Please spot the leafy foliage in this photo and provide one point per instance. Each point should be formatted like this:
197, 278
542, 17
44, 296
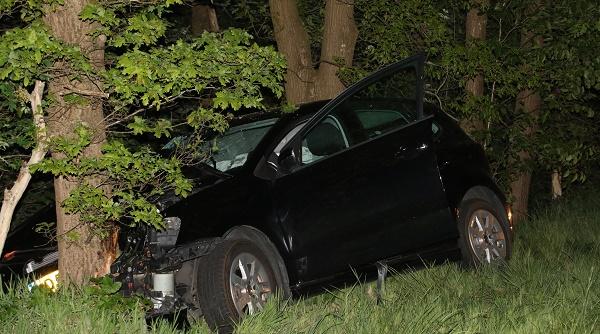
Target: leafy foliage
135, 177
564, 70
149, 78
16, 136
220, 73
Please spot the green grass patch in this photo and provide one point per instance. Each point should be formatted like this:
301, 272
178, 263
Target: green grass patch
92, 309
551, 285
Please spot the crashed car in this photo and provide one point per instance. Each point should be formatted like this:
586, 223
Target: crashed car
375, 176
372, 176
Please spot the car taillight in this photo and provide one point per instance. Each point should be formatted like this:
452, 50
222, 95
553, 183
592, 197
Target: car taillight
9, 256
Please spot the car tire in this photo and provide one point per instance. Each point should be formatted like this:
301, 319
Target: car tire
235, 279
484, 232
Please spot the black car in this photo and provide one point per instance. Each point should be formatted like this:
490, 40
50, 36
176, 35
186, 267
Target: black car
293, 201
373, 176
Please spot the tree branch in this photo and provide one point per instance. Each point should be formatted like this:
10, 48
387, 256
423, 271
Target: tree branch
14, 194
93, 93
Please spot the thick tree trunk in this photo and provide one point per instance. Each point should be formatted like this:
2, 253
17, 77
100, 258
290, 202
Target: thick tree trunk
529, 102
12, 196
339, 40
292, 41
204, 18
475, 30
303, 81
81, 253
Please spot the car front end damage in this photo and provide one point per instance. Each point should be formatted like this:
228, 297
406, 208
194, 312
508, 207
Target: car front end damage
150, 266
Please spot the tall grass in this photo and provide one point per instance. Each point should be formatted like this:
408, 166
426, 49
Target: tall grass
72, 311
551, 285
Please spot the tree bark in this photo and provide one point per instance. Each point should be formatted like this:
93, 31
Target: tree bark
14, 194
339, 40
82, 253
292, 41
475, 30
529, 102
204, 18
556, 185
303, 81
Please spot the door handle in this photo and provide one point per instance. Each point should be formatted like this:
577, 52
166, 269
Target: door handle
410, 152
422, 147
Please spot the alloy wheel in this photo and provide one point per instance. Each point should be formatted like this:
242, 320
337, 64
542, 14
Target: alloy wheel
486, 237
249, 284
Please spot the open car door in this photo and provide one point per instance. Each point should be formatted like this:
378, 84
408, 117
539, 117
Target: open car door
363, 182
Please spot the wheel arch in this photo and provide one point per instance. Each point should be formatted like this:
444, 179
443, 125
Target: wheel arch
496, 196
255, 235
460, 180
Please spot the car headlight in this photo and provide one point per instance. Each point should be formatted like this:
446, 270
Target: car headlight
167, 238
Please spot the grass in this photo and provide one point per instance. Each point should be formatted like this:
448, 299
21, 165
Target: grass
551, 285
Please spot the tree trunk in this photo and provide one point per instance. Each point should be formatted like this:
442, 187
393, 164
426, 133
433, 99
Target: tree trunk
556, 185
12, 196
292, 41
475, 30
339, 40
529, 102
81, 252
304, 82
204, 18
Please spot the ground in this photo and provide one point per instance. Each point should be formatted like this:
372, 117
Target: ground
551, 285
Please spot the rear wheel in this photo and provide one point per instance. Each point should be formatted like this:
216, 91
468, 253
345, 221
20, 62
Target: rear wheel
236, 279
484, 230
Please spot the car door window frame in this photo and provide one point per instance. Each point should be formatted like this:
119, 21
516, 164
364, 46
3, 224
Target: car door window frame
294, 143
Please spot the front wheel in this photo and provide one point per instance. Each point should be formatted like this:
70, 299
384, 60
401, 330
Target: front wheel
235, 279
484, 230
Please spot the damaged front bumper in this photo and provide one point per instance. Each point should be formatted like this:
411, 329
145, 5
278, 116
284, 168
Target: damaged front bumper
151, 266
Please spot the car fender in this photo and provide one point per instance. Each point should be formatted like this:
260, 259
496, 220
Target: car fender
459, 178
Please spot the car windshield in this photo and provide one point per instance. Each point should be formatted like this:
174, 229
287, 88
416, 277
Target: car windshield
232, 148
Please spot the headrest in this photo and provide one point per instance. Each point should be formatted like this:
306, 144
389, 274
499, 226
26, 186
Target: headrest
325, 139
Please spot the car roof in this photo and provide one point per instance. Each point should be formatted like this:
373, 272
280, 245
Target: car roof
301, 110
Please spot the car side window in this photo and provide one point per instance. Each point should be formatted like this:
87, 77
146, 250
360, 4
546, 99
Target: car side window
435, 129
384, 105
328, 137
388, 103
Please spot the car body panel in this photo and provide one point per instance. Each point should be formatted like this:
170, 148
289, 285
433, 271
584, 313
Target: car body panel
366, 201
366, 204
461, 161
